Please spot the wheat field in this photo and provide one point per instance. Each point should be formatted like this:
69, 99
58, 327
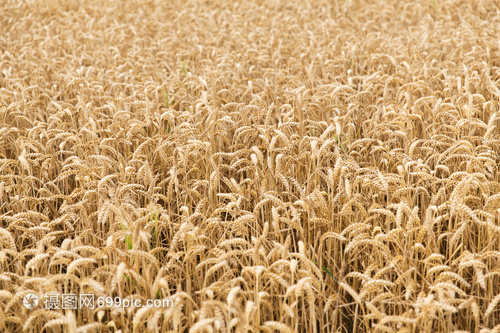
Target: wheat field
268, 166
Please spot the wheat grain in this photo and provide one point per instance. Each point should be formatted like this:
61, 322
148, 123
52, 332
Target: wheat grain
227, 152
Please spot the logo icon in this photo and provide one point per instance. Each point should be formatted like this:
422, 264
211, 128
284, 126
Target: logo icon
30, 301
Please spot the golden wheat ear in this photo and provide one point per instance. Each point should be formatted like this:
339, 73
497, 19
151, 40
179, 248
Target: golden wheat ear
263, 166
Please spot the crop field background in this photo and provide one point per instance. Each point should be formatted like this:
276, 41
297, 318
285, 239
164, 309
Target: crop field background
270, 166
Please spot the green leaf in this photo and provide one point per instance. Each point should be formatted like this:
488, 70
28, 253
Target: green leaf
128, 242
128, 239
340, 144
184, 70
128, 278
326, 271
